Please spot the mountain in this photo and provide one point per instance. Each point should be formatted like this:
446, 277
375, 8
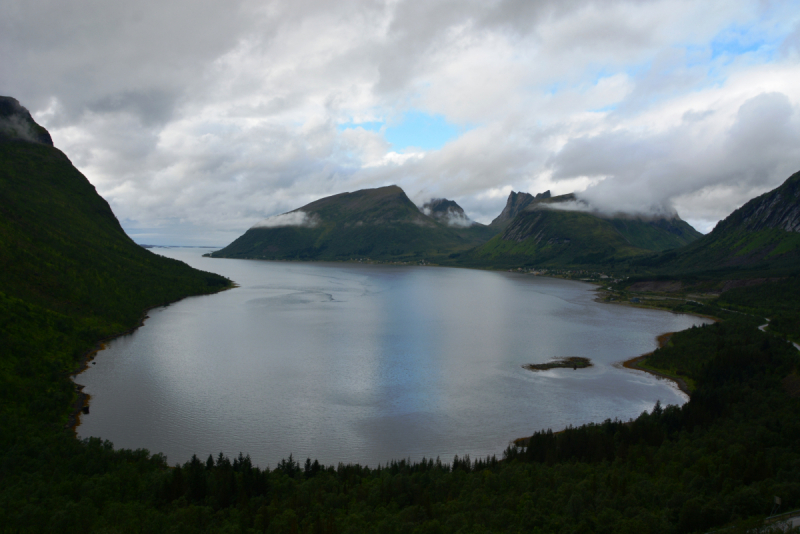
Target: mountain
762, 238
562, 231
515, 204
69, 275
778, 209
379, 223
447, 212
16, 123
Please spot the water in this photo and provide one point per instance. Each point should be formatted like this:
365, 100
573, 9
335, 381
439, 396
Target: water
368, 363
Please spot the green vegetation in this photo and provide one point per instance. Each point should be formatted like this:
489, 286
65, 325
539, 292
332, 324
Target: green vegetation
758, 240
379, 224
572, 362
384, 225
556, 238
778, 299
656, 234
718, 460
69, 277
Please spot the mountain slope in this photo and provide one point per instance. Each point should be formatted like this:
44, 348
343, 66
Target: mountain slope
762, 237
541, 234
449, 213
377, 223
69, 275
656, 234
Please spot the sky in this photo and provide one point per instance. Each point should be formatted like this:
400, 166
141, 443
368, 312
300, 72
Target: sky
196, 119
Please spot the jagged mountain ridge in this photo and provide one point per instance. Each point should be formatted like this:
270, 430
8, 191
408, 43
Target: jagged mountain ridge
542, 234
516, 203
383, 223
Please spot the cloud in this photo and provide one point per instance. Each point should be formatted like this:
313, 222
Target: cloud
450, 217
751, 148
294, 218
15, 126
570, 205
457, 220
198, 118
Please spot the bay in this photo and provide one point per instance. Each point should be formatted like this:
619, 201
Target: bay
348, 362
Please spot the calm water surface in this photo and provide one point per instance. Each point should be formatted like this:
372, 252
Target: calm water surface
366, 363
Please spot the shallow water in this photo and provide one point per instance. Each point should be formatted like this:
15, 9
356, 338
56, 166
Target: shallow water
366, 363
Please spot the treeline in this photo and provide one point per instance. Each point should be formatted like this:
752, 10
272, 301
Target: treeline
718, 460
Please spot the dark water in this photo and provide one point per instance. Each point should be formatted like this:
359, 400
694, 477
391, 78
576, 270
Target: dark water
365, 363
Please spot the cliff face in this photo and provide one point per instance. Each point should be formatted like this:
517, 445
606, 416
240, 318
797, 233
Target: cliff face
516, 204
777, 209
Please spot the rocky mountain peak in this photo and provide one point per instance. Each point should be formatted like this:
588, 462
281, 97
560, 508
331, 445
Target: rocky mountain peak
16, 123
776, 209
516, 203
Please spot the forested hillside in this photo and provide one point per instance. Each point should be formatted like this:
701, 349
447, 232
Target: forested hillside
69, 277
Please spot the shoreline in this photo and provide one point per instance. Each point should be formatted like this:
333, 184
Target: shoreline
633, 364
81, 403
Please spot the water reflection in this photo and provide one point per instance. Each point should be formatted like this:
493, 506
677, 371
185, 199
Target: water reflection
365, 363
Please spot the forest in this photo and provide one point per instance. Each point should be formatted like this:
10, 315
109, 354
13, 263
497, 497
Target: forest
718, 460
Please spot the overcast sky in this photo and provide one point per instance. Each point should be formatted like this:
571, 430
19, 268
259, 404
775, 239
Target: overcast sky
195, 119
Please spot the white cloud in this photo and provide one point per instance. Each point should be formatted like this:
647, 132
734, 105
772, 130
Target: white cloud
293, 218
199, 118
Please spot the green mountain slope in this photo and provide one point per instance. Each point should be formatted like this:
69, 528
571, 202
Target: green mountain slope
377, 223
69, 275
761, 238
656, 234
541, 235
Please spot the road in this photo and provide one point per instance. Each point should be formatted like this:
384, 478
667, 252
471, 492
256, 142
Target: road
763, 328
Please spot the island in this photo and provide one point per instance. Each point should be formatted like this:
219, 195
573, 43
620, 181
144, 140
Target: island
576, 362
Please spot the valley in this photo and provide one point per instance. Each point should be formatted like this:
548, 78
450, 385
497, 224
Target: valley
71, 277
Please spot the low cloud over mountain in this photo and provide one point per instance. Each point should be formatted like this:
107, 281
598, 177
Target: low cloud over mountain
642, 107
